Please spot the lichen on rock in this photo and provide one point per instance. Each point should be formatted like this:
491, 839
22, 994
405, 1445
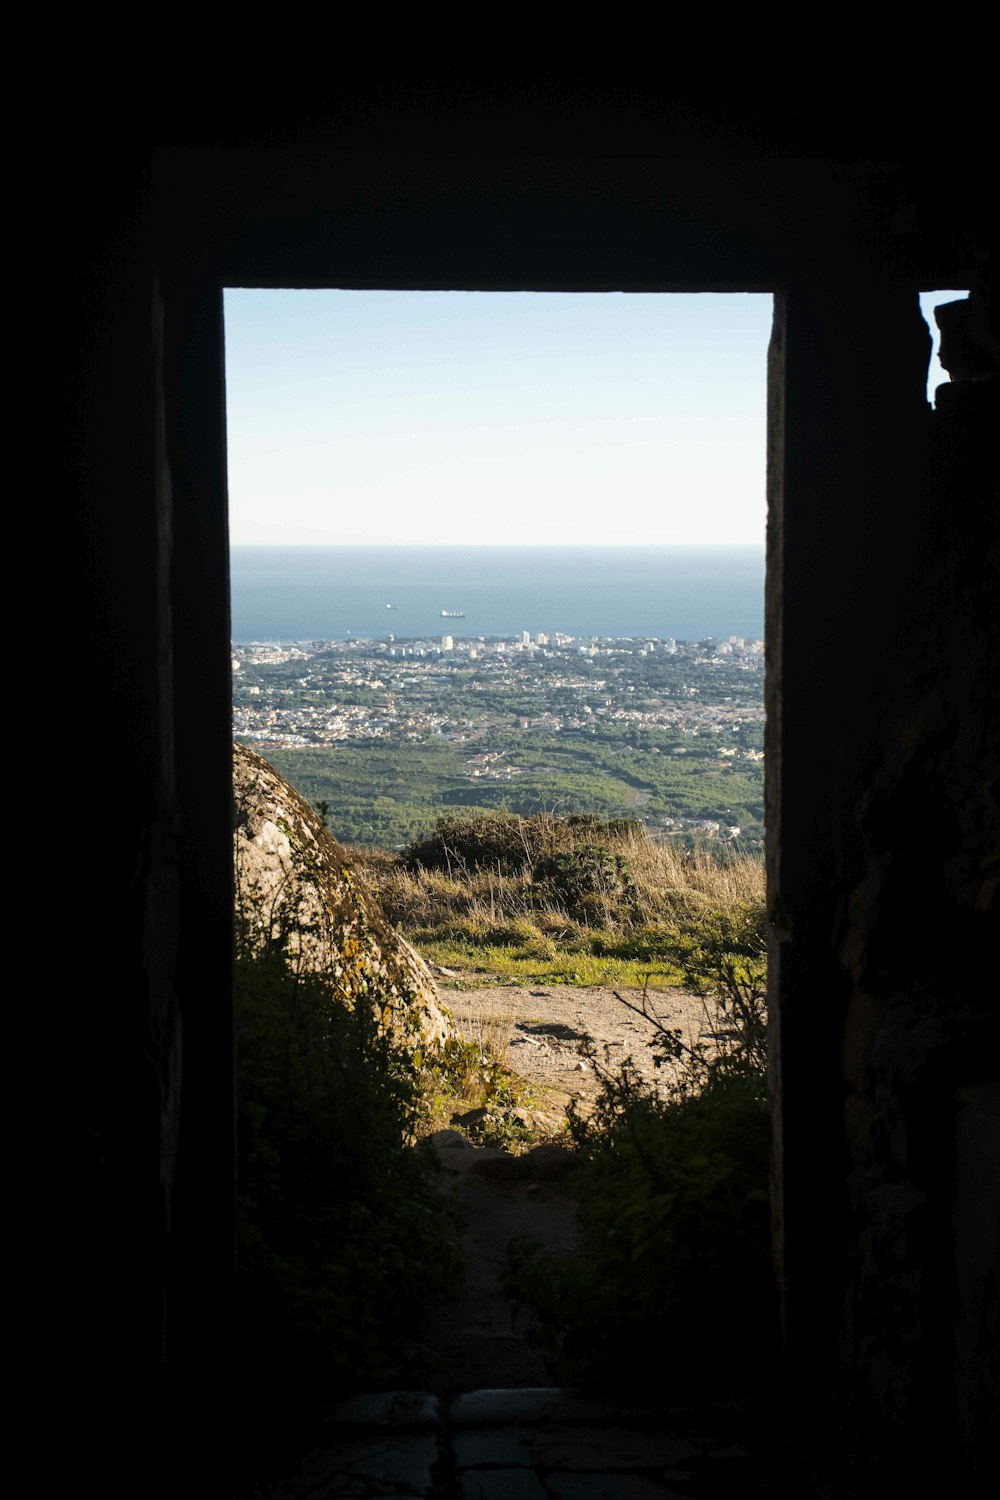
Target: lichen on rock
295, 888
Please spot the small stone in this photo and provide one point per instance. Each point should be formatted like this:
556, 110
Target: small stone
469, 1117
682, 1479
450, 1140
550, 1160
498, 1165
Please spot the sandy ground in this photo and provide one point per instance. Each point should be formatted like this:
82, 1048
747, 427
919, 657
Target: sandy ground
547, 1028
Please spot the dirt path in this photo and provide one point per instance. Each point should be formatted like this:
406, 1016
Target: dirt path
473, 1343
546, 1026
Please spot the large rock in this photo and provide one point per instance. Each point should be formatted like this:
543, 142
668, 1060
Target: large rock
294, 883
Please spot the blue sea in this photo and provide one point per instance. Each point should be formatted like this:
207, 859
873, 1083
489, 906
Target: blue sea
332, 593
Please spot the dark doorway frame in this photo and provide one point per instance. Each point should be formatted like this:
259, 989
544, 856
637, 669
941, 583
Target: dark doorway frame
846, 436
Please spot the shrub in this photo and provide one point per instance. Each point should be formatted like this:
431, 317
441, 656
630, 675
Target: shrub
581, 879
508, 843
674, 1212
500, 842
673, 1197
344, 1237
722, 957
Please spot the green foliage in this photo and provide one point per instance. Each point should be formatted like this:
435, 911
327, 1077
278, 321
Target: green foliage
406, 761
344, 1236
674, 1211
473, 1074
583, 879
501, 842
722, 956
603, 776
508, 843
673, 1197
468, 1071
587, 902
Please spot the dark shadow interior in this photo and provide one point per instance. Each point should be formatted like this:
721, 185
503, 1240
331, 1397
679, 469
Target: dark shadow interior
882, 670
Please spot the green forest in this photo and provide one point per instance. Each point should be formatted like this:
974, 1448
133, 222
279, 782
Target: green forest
390, 736
382, 796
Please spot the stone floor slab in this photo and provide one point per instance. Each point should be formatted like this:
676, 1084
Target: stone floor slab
589, 1448
365, 1467
501, 1484
607, 1487
492, 1447
529, 1407
415, 1410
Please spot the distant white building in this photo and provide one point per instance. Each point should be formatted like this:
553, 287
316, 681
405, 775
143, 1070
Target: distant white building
447, 643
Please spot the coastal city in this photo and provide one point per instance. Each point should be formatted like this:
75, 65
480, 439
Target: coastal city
666, 731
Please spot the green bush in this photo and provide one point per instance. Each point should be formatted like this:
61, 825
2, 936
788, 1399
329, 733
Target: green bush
498, 842
506, 842
674, 1212
582, 879
722, 957
344, 1237
673, 1199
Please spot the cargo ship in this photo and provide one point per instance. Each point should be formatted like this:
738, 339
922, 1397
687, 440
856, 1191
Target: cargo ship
452, 614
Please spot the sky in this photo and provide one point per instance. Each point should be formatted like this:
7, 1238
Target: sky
477, 418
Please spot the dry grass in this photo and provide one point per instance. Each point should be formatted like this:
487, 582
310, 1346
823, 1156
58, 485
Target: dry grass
492, 1035
506, 917
498, 905
734, 879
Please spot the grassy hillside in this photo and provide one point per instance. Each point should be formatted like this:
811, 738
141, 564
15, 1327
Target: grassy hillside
579, 900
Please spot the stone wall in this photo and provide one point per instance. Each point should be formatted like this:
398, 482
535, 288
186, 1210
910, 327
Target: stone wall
882, 630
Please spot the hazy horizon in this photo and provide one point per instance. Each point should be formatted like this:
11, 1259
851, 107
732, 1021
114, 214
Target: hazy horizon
331, 592
495, 418
530, 419
494, 546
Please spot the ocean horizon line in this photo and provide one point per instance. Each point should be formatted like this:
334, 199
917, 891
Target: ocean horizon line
500, 546
322, 593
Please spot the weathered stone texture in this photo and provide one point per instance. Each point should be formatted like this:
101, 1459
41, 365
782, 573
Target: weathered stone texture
882, 684
295, 883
